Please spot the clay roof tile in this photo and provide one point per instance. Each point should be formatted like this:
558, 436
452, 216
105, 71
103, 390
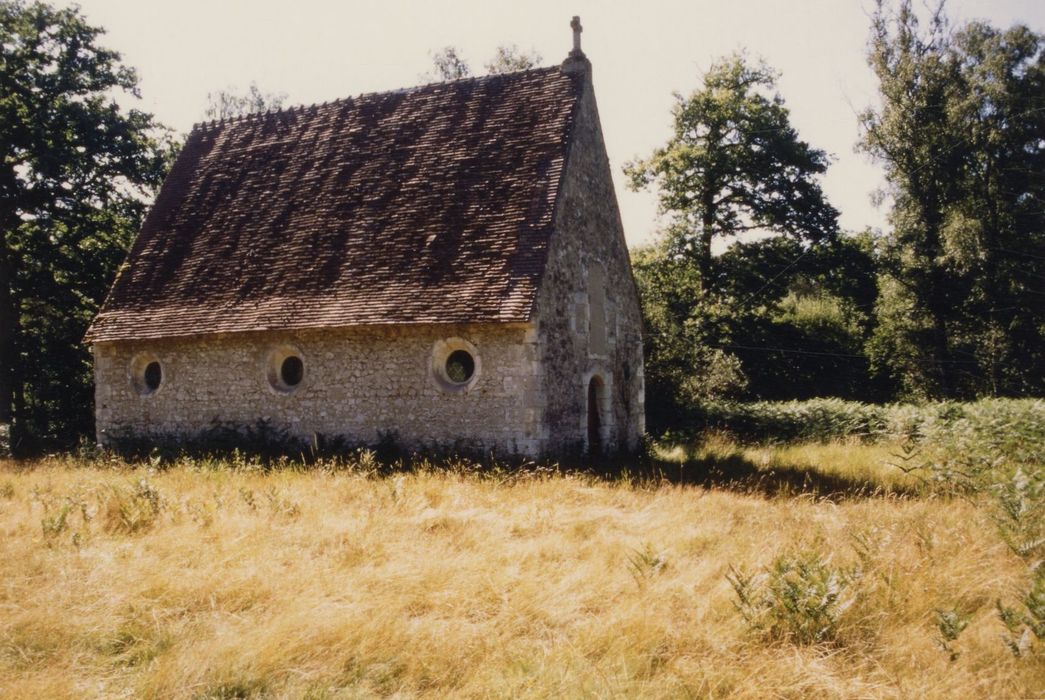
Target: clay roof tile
426, 205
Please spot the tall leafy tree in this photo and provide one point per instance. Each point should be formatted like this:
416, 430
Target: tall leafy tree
76, 169
734, 164
997, 229
683, 334
910, 134
960, 132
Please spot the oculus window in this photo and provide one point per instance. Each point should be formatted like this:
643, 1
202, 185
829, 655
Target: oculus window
455, 365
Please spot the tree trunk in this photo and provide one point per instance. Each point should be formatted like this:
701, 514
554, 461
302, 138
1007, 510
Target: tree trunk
8, 358
938, 304
1001, 308
942, 352
935, 286
707, 232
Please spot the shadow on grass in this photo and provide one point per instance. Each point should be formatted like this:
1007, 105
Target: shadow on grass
262, 448
735, 472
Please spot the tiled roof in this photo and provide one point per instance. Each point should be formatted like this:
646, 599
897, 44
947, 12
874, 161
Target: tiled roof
428, 205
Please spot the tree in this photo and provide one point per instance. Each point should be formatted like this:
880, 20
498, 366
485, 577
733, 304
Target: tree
734, 163
447, 64
997, 229
229, 102
785, 320
910, 135
959, 131
76, 171
683, 331
800, 316
510, 58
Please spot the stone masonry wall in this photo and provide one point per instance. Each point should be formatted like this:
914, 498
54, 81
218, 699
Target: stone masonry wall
358, 383
589, 268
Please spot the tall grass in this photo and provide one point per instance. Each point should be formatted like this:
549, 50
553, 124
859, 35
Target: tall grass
204, 578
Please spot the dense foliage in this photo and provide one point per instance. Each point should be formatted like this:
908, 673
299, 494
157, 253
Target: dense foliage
733, 164
1013, 426
767, 317
76, 171
945, 304
779, 320
961, 132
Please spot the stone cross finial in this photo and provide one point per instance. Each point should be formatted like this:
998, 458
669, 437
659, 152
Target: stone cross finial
576, 62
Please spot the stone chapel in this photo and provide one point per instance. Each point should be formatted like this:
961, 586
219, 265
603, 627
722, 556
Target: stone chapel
442, 264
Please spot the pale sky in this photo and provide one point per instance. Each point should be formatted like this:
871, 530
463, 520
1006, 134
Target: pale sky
641, 53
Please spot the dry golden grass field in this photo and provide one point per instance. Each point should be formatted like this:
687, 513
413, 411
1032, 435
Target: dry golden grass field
198, 580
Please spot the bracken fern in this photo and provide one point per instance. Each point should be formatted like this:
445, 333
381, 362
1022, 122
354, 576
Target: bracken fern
800, 598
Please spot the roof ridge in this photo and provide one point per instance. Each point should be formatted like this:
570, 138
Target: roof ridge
477, 78
301, 108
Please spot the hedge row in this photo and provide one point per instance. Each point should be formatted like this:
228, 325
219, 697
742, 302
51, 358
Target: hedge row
1011, 420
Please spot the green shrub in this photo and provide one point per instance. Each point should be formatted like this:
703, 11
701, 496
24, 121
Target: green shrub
132, 509
1020, 513
54, 524
795, 421
1025, 623
951, 623
800, 598
1014, 427
645, 563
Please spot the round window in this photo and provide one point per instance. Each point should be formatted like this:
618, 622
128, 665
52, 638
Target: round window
292, 370
455, 365
460, 366
146, 374
153, 376
285, 368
